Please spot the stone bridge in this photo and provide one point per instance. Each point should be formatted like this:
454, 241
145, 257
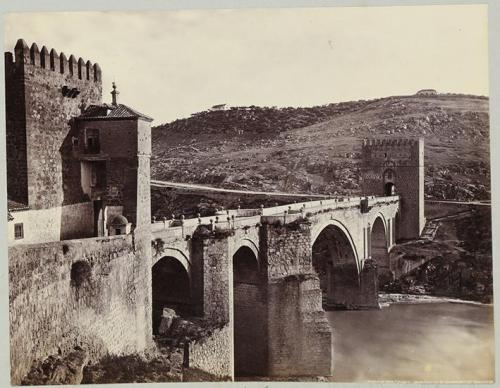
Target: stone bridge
268, 273
260, 278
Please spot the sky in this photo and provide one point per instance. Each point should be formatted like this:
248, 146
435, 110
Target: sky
170, 64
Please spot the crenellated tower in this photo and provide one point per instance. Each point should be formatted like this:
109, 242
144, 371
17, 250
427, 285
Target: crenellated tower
396, 167
44, 92
83, 163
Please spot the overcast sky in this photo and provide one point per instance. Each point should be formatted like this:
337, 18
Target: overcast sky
171, 64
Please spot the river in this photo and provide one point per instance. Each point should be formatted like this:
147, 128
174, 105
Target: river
414, 342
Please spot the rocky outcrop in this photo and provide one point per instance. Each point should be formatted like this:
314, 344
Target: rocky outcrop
58, 370
166, 320
154, 367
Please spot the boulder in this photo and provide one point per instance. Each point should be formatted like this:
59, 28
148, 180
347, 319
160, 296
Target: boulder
167, 318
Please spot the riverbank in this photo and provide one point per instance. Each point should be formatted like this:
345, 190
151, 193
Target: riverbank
455, 262
386, 299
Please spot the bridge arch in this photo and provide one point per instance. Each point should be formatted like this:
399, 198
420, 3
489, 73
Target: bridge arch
176, 254
171, 288
245, 242
321, 227
379, 248
335, 261
317, 230
249, 298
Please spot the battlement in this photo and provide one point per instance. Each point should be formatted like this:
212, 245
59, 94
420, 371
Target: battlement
52, 61
392, 142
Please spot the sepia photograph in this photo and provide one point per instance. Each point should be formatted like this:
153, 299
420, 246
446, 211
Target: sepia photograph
249, 194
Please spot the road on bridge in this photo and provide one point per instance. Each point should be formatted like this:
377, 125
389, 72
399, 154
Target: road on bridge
195, 187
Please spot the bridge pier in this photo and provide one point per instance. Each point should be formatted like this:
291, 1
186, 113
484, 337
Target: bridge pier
275, 316
368, 282
211, 277
300, 337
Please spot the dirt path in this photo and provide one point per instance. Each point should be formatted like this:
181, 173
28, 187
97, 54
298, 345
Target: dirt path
475, 203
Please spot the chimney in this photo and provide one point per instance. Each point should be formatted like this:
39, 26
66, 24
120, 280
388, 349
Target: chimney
114, 93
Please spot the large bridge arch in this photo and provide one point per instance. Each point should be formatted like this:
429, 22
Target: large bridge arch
251, 245
171, 287
379, 217
319, 228
249, 313
379, 248
335, 260
177, 254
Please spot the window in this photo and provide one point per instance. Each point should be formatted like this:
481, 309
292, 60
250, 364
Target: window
92, 141
74, 140
18, 231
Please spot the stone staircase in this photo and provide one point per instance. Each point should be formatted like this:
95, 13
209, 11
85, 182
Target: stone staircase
430, 229
432, 225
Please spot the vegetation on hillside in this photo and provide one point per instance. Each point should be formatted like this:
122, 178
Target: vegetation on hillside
458, 261
317, 150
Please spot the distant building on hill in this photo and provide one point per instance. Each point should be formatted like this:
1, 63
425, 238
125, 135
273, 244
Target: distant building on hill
218, 107
427, 92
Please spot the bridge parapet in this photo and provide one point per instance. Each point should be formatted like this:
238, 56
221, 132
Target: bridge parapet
240, 218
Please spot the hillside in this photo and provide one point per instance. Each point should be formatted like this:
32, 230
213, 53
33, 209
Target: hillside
316, 150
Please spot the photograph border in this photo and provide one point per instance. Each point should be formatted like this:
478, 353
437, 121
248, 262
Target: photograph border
164, 5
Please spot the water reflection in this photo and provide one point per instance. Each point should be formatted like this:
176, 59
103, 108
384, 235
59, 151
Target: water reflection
420, 342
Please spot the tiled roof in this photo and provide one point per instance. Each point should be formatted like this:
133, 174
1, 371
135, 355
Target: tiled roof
107, 111
13, 205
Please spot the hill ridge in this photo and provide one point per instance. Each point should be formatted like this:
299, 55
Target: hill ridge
316, 149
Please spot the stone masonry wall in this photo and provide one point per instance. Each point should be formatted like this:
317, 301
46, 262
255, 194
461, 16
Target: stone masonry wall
79, 292
368, 292
300, 338
250, 329
213, 354
286, 249
15, 112
38, 84
211, 278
